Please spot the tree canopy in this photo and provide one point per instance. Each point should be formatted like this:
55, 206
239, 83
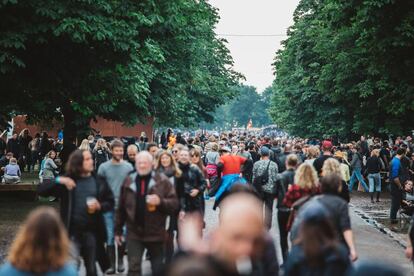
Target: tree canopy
346, 68
120, 60
247, 104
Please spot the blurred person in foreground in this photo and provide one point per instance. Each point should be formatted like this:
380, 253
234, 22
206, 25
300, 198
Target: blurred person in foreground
84, 197
147, 198
317, 250
239, 245
41, 247
337, 210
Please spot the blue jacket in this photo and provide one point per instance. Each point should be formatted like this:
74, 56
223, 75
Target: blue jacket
9, 270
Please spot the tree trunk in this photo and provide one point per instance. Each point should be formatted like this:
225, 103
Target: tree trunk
69, 125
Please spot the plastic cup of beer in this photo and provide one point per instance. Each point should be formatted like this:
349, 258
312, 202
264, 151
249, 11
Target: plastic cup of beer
90, 202
150, 207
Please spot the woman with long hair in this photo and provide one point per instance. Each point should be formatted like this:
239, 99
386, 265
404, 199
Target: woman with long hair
195, 155
374, 166
332, 166
312, 153
48, 167
317, 250
166, 164
101, 153
85, 145
84, 197
41, 247
306, 184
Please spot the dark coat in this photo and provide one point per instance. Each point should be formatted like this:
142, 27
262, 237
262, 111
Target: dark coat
13, 146
191, 178
285, 179
154, 228
105, 198
336, 262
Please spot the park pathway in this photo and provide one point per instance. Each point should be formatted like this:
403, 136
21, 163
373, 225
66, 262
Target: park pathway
371, 243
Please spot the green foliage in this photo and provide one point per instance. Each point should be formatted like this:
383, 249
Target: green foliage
247, 104
122, 60
346, 68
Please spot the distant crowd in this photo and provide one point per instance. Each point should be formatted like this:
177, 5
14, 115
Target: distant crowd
147, 200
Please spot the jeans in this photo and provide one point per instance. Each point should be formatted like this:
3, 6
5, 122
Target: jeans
135, 251
283, 219
374, 180
109, 224
356, 174
268, 200
85, 243
11, 179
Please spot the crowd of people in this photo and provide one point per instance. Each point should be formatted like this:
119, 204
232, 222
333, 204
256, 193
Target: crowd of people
147, 200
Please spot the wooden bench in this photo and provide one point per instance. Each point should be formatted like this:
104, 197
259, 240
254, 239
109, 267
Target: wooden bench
26, 190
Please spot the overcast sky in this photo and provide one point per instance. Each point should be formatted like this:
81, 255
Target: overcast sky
253, 55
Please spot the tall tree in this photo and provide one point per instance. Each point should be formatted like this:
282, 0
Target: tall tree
247, 104
121, 60
345, 69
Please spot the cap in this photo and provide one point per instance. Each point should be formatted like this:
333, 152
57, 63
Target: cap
225, 148
327, 144
264, 151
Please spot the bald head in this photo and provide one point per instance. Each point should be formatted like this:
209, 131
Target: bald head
241, 230
132, 151
241, 206
143, 163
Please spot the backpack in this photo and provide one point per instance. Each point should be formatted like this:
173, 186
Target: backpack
212, 170
262, 180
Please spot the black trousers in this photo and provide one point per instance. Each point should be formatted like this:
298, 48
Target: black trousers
396, 198
268, 200
283, 219
85, 243
136, 250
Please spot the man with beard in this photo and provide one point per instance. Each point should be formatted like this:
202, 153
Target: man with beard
114, 171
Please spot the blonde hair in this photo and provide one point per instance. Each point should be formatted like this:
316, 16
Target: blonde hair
313, 152
85, 145
331, 166
42, 244
174, 165
306, 176
101, 143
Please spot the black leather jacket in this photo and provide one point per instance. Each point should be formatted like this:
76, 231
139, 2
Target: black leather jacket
191, 178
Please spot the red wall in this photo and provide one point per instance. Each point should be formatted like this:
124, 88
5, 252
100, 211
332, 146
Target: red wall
107, 128
112, 128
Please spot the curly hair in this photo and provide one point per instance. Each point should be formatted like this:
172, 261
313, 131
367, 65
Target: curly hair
331, 166
306, 176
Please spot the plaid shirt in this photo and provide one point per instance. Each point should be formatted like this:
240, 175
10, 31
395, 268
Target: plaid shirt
295, 193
